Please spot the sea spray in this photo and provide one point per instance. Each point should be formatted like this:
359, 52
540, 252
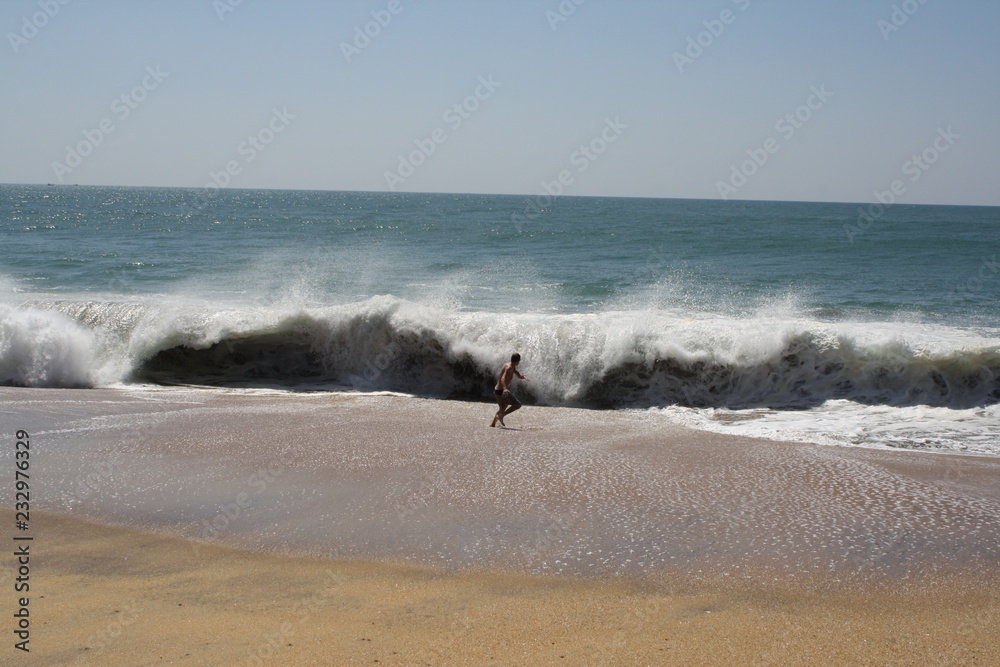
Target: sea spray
41, 348
612, 360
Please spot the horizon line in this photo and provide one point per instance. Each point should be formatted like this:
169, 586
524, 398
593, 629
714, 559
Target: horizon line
504, 194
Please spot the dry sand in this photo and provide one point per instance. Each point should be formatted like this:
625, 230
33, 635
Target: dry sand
659, 545
109, 596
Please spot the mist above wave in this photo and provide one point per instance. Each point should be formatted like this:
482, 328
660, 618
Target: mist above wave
623, 358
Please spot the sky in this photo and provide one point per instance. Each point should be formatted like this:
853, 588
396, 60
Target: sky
855, 100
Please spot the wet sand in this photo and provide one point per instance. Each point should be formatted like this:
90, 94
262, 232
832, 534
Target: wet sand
407, 531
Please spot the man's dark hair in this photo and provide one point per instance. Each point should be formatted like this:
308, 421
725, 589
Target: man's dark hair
515, 357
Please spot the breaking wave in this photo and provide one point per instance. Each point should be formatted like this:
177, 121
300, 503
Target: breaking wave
604, 360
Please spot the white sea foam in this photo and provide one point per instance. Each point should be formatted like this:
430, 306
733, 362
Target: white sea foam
932, 387
846, 423
40, 348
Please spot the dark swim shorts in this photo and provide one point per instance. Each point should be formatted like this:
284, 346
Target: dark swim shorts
510, 396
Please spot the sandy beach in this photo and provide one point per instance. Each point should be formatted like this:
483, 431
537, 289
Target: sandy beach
123, 597
189, 526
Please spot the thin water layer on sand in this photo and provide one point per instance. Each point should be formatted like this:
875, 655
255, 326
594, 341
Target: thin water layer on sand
566, 491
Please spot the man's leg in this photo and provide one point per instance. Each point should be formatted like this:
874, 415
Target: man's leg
502, 401
514, 405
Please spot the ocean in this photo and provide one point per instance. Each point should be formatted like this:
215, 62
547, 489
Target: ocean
841, 324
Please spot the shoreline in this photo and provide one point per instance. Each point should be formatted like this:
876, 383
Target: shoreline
335, 391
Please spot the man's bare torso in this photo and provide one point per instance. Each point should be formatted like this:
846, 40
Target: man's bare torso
506, 376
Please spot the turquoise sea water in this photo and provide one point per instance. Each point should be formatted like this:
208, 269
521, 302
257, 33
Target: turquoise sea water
841, 323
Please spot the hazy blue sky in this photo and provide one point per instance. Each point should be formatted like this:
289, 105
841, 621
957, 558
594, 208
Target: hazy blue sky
206, 79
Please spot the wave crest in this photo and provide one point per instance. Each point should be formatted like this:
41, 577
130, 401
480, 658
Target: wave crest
618, 359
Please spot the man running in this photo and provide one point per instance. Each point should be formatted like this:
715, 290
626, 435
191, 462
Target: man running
508, 402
